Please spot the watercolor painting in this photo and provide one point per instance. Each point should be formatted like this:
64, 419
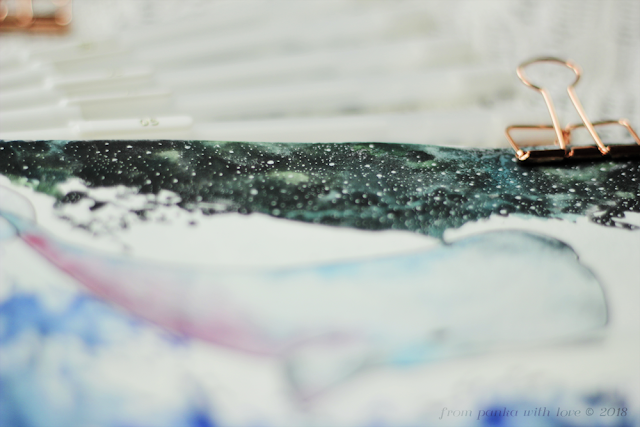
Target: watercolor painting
195, 283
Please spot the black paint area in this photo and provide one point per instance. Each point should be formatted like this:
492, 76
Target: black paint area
426, 189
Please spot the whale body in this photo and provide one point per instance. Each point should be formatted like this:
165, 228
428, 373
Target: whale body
488, 291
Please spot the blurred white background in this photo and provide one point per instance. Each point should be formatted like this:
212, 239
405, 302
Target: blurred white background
435, 72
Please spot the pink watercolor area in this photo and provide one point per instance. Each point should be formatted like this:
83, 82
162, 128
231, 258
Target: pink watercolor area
159, 294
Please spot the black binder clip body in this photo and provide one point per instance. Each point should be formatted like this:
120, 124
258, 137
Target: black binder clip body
564, 150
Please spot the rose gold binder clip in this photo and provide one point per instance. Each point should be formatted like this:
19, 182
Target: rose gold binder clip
35, 16
563, 135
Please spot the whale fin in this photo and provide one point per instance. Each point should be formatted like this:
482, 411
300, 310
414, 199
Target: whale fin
318, 366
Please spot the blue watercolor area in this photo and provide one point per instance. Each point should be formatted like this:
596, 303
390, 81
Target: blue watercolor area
83, 318
200, 419
42, 383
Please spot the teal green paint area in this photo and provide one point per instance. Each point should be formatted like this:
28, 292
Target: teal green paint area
425, 189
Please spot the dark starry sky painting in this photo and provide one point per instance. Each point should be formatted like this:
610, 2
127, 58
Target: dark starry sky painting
425, 189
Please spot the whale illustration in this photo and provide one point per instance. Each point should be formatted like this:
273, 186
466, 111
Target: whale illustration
326, 322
